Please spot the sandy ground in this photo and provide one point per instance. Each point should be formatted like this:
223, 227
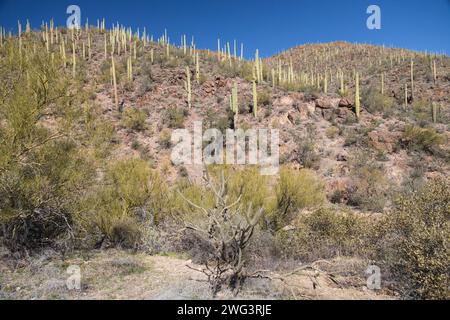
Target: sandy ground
115, 274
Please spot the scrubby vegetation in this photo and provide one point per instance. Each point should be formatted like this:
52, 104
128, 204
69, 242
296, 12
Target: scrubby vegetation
85, 156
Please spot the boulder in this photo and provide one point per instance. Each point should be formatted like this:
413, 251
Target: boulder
345, 103
326, 103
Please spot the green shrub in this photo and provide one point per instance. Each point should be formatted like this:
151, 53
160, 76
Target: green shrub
421, 139
165, 139
374, 101
332, 132
130, 191
42, 167
324, 234
417, 242
174, 117
296, 189
369, 185
264, 98
134, 119
306, 153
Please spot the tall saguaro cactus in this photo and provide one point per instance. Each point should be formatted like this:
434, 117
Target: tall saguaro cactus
357, 99
406, 96
197, 67
434, 71
234, 99
114, 79
255, 100
412, 78
74, 61
187, 86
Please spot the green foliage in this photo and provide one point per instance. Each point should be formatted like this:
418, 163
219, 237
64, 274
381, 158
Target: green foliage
296, 189
332, 132
174, 117
323, 234
43, 168
129, 191
306, 153
264, 98
369, 185
165, 139
417, 241
374, 101
421, 139
134, 119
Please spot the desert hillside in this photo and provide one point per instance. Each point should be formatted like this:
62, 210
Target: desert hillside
86, 176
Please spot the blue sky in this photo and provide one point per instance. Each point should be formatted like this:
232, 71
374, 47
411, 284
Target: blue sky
271, 26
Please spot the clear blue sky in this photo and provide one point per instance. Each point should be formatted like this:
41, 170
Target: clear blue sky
271, 26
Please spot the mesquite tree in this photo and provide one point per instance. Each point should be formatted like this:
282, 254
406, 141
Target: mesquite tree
227, 232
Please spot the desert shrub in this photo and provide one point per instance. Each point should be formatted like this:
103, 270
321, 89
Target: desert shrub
42, 168
134, 119
421, 139
224, 234
415, 246
217, 121
374, 101
332, 132
196, 193
323, 234
369, 187
165, 139
125, 233
249, 183
130, 193
174, 117
306, 153
296, 189
264, 98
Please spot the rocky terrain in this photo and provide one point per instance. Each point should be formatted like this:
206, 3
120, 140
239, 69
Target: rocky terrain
113, 95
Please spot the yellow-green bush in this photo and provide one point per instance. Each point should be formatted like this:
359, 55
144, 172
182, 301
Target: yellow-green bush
296, 189
130, 193
369, 187
324, 234
374, 101
416, 244
134, 119
421, 139
43, 169
174, 117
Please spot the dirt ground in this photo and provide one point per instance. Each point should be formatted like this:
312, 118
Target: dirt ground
116, 274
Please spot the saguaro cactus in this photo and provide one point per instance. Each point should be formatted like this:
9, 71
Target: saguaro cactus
257, 66
74, 61
130, 69
412, 78
197, 68
187, 86
234, 99
434, 111
357, 99
434, 71
255, 99
406, 96
114, 79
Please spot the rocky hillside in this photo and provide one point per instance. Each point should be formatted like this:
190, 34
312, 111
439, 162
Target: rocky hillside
86, 119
